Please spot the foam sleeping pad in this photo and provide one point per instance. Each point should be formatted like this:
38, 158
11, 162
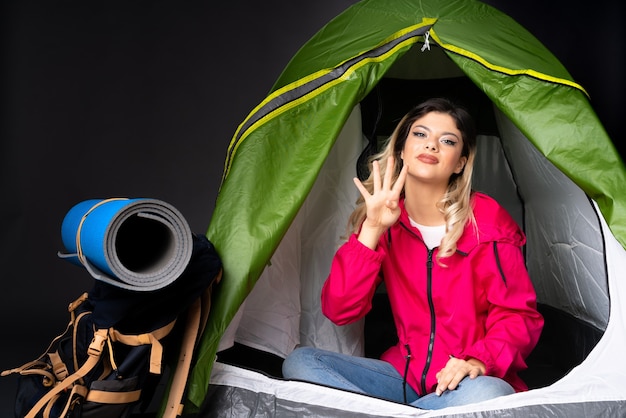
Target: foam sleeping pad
137, 244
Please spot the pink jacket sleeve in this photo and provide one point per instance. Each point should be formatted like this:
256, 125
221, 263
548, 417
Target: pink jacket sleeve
354, 275
513, 323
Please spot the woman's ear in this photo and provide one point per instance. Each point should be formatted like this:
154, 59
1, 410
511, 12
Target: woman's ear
461, 165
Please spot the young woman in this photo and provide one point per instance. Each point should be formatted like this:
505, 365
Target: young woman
451, 260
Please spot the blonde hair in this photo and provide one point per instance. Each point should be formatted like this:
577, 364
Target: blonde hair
456, 202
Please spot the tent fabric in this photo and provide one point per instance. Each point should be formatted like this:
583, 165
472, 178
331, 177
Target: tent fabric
286, 295
279, 150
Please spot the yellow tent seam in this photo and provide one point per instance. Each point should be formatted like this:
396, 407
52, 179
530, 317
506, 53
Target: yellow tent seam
509, 71
239, 139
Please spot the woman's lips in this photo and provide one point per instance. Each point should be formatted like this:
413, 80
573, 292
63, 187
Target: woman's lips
427, 159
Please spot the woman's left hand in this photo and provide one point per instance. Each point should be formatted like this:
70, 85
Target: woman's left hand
456, 369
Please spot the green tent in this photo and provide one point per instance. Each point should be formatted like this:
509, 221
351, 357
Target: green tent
385, 53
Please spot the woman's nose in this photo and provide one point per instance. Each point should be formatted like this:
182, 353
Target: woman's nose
431, 143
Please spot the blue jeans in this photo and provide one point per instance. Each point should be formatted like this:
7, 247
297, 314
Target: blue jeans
379, 378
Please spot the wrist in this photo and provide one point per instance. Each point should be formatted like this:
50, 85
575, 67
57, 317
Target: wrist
474, 362
370, 234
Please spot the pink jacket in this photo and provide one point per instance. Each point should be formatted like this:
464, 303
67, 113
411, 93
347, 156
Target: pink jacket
483, 305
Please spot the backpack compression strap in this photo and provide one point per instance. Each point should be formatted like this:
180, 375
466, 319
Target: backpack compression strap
152, 338
94, 352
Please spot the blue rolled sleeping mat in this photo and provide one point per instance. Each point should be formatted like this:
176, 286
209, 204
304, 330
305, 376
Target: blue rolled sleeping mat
147, 263
136, 244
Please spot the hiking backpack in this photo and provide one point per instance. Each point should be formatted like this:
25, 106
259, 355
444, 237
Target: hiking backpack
109, 361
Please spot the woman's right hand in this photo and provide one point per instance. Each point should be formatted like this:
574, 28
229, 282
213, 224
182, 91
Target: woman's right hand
382, 204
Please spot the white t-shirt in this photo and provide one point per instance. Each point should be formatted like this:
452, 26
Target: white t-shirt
432, 234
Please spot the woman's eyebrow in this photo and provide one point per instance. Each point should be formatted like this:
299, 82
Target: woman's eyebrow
430, 130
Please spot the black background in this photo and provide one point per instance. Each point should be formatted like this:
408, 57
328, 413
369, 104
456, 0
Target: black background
141, 98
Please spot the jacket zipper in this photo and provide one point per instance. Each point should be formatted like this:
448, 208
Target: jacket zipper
406, 369
431, 343
431, 306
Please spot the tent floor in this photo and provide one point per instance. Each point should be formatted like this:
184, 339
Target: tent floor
564, 343
539, 374
250, 358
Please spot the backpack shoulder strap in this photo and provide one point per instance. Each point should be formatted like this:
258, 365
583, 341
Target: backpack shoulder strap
174, 404
197, 316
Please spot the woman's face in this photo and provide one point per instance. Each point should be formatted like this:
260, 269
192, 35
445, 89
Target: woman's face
433, 149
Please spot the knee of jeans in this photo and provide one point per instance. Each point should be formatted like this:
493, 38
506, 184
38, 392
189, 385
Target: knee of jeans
492, 387
296, 362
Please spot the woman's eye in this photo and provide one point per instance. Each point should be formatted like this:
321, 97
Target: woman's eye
419, 134
447, 141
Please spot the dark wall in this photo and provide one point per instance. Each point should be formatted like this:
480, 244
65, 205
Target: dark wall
140, 99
